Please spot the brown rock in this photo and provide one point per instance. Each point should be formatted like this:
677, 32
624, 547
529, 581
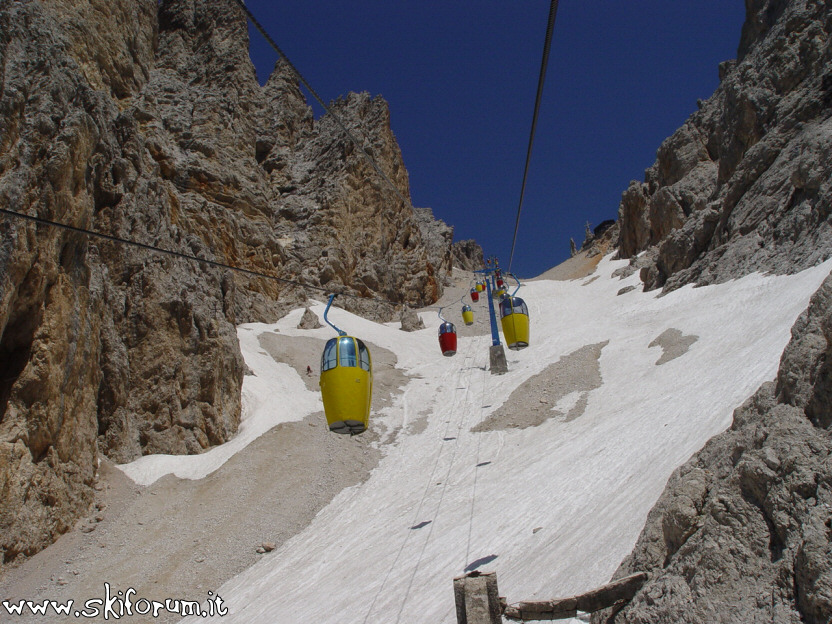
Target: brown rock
145, 120
410, 320
309, 320
742, 530
743, 185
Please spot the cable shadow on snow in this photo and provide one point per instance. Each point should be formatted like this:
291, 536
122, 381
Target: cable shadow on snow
477, 563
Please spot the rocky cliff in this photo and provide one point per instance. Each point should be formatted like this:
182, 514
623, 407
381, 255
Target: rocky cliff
468, 255
144, 120
743, 531
744, 184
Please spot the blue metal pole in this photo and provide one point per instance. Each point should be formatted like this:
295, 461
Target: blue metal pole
341, 332
495, 335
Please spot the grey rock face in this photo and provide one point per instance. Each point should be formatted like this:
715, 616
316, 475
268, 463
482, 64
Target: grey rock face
468, 255
438, 238
410, 320
744, 185
144, 120
309, 320
743, 531
60, 125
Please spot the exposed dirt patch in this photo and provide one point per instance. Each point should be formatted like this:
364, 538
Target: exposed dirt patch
560, 391
577, 267
673, 343
180, 538
419, 424
297, 352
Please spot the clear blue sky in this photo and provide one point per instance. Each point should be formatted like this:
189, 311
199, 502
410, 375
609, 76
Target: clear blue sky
460, 78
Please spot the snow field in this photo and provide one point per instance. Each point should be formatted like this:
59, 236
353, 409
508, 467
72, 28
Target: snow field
553, 509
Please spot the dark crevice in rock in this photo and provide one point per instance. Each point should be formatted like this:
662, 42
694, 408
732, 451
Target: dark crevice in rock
15, 351
796, 593
775, 544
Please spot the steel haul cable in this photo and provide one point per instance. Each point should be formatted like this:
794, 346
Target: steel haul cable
553, 9
462, 421
474, 492
184, 256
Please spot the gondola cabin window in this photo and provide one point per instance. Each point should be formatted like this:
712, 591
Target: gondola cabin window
346, 349
329, 359
363, 356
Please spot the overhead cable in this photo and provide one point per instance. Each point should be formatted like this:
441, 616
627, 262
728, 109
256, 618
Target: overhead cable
179, 254
553, 9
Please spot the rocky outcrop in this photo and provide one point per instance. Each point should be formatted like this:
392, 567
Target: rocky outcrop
410, 321
344, 227
743, 531
144, 120
744, 185
60, 131
309, 320
468, 255
438, 238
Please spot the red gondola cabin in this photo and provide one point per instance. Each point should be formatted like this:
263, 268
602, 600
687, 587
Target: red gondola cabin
447, 339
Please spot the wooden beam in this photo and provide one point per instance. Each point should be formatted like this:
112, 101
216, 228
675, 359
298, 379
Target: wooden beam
477, 601
611, 594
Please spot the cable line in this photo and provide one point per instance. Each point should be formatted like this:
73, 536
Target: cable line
300, 77
179, 254
553, 9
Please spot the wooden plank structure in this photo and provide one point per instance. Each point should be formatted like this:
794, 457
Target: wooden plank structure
477, 599
610, 595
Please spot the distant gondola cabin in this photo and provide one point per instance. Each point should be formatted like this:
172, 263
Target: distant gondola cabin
346, 384
467, 315
514, 317
475, 294
447, 339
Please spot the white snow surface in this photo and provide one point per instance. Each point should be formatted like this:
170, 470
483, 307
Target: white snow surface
553, 509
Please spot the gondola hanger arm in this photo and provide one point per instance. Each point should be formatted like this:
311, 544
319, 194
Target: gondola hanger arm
341, 332
518, 283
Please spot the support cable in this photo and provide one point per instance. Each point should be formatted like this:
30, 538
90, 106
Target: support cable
462, 421
416, 518
179, 254
553, 9
474, 490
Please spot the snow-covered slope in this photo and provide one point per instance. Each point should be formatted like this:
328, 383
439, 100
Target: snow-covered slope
551, 508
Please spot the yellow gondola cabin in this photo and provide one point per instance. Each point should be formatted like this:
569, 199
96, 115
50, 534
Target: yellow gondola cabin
346, 384
514, 317
467, 315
